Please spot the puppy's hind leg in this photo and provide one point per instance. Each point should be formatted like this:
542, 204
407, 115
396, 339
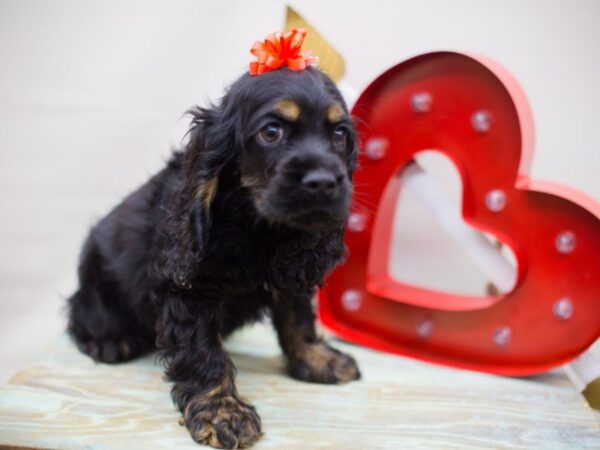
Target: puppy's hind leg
99, 323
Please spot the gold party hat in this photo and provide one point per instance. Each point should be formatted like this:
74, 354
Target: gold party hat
330, 61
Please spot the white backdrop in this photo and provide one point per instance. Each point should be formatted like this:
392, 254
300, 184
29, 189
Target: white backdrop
90, 93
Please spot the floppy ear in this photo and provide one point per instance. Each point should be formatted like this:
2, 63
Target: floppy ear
211, 147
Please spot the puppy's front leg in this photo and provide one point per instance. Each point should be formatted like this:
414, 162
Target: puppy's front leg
203, 374
309, 358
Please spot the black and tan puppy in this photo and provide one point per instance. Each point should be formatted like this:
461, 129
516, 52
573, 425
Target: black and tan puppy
245, 221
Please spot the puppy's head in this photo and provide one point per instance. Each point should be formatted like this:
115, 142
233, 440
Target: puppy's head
298, 153
292, 142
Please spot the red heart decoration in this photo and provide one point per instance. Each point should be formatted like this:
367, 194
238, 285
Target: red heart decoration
474, 112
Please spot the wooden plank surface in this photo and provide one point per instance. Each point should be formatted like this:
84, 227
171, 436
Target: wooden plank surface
64, 400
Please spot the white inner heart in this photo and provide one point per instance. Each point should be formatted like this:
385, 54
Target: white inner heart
423, 254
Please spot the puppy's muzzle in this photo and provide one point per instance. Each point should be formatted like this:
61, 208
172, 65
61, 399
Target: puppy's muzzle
308, 190
316, 176
321, 182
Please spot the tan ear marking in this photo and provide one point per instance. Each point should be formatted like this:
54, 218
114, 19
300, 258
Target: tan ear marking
288, 109
250, 181
207, 191
335, 113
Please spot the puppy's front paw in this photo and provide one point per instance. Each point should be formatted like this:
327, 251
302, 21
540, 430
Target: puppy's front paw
222, 421
320, 363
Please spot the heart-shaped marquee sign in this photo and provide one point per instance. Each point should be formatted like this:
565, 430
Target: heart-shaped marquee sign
474, 112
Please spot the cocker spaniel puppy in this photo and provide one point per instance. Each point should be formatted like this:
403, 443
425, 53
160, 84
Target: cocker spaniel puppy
246, 221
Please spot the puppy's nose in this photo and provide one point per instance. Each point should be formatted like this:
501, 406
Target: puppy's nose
320, 181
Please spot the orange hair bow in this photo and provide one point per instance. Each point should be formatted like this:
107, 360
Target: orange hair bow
279, 50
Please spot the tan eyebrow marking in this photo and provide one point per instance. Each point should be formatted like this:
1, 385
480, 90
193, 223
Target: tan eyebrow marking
335, 113
288, 109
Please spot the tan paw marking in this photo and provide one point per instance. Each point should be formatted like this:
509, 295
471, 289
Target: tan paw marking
222, 420
320, 363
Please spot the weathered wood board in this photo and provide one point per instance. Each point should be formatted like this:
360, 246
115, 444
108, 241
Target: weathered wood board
65, 401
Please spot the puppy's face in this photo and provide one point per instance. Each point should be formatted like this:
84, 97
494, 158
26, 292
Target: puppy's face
299, 149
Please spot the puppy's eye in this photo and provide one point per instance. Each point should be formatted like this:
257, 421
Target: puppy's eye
339, 138
270, 134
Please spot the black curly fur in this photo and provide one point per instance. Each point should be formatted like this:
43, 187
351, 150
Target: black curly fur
226, 232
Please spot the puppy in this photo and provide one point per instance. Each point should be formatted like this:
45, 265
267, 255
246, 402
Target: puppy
246, 221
